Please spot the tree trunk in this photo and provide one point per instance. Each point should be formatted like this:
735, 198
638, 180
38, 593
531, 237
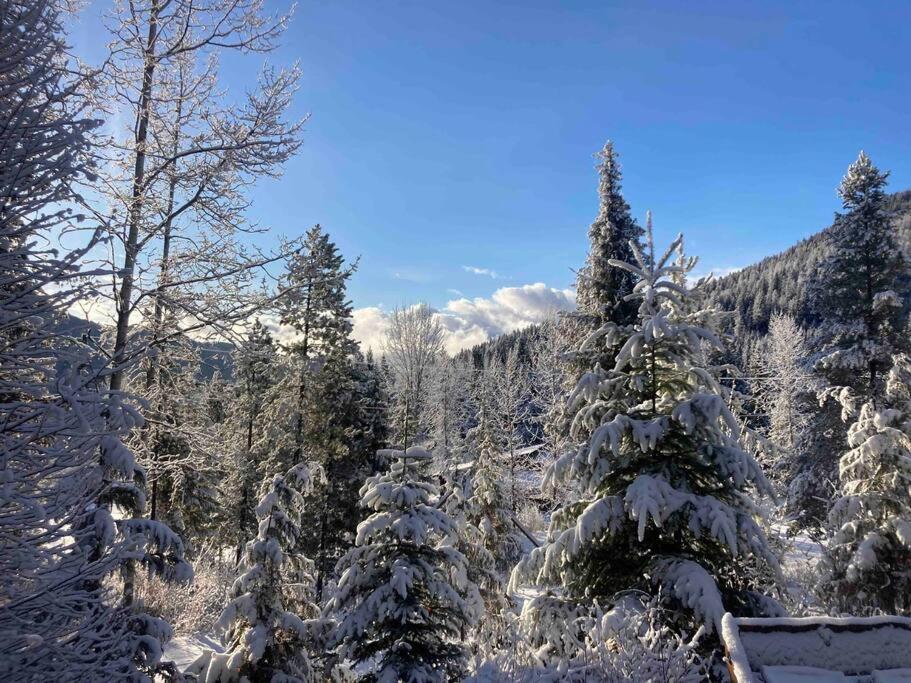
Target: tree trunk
131, 245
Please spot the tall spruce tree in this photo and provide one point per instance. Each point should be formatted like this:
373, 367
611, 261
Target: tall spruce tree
862, 325
316, 305
404, 596
663, 486
855, 288
601, 289
315, 408
868, 560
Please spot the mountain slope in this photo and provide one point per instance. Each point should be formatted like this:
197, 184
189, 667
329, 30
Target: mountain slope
780, 282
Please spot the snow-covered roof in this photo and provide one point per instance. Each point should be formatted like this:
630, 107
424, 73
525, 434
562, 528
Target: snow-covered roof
808, 649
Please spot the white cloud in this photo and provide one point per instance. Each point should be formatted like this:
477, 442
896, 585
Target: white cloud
370, 325
468, 322
716, 273
475, 270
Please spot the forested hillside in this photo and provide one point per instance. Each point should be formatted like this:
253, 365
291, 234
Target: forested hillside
780, 283
593, 499
777, 283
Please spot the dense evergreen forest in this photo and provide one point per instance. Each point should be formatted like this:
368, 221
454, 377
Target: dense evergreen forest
187, 493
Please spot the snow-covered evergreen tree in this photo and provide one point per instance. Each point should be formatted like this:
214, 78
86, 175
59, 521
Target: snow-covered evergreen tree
63, 461
242, 431
663, 500
487, 504
268, 622
868, 558
601, 289
856, 286
863, 324
404, 597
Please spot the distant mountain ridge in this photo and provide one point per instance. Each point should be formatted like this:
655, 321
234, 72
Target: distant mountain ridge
214, 357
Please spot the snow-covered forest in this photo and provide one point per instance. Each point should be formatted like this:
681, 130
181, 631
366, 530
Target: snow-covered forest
186, 496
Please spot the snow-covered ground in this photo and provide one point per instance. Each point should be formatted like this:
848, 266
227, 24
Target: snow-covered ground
183, 650
800, 566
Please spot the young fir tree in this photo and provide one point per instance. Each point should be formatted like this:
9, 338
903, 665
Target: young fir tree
268, 622
404, 597
487, 503
868, 562
663, 485
242, 430
490, 629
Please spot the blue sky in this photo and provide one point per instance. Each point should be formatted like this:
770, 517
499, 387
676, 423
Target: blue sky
451, 134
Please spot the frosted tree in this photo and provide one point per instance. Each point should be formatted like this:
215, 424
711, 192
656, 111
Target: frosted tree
65, 466
177, 173
783, 390
485, 508
449, 410
854, 292
177, 445
785, 379
856, 286
549, 373
404, 598
511, 409
269, 621
868, 563
242, 433
663, 486
414, 343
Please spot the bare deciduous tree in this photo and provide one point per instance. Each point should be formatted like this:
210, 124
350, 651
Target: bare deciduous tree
176, 175
414, 342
